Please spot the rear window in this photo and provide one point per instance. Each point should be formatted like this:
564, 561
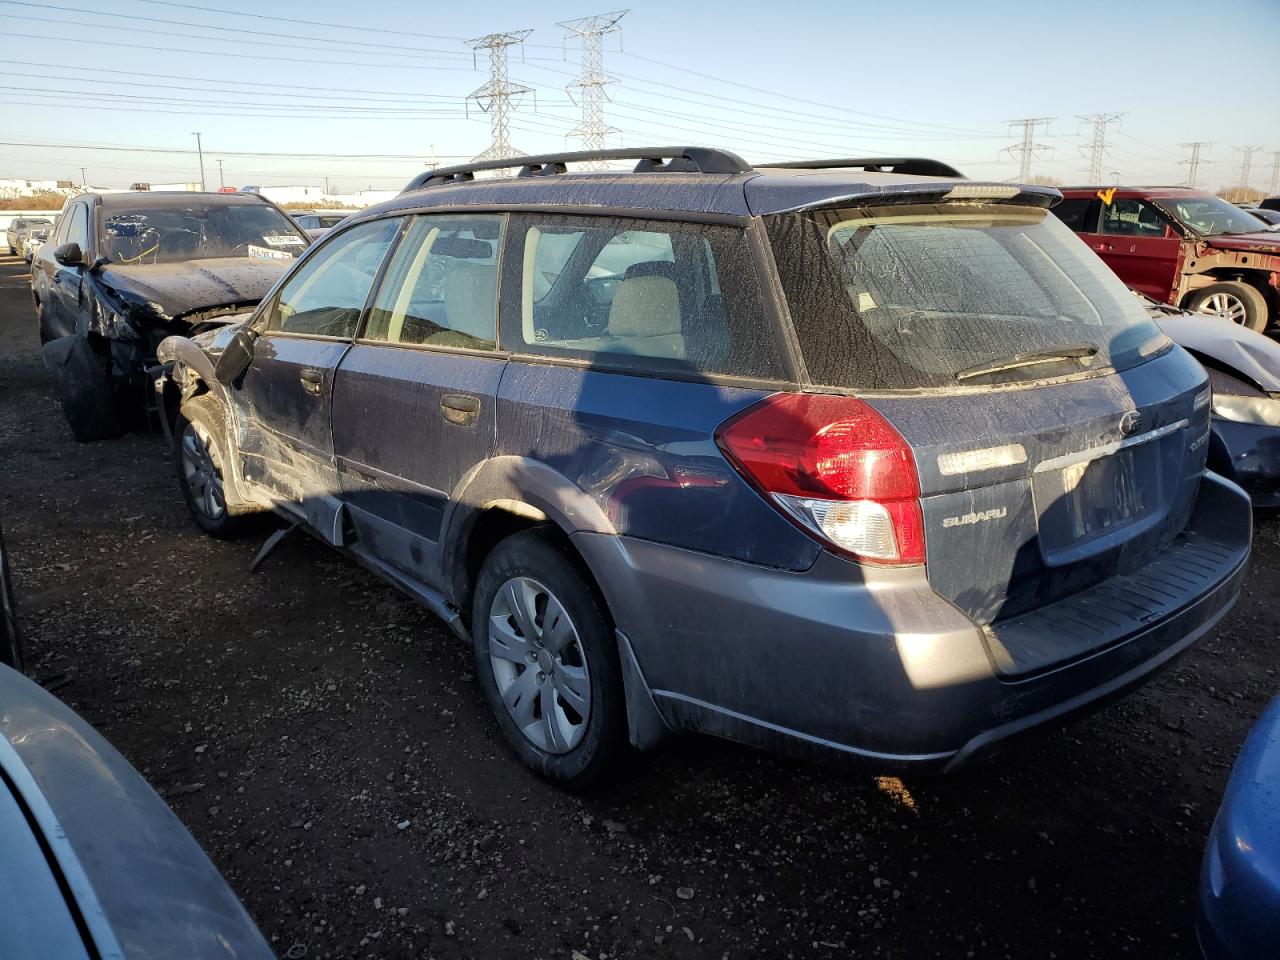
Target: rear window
926, 296
1071, 211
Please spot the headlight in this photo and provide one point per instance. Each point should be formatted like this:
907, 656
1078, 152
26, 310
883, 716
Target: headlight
1260, 410
112, 325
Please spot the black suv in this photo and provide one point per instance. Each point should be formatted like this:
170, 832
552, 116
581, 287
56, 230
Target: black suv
122, 271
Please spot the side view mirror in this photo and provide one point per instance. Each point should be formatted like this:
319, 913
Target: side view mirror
236, 357
69, 255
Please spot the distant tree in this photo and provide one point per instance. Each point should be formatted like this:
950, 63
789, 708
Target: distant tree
1040, 180
43, 200
1241, 194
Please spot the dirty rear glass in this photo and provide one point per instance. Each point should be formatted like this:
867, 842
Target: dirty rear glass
921, 296
198, 231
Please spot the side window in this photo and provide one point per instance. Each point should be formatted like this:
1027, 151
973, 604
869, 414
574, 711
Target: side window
78, 231
442, 286
327, 294
1071, 211
1132, 218
638, 294
60, 227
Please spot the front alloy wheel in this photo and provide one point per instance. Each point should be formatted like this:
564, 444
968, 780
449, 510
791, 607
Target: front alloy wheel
201, 473
1226, 305
539, 665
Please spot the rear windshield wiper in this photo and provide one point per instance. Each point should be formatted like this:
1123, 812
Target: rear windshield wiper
1068, 351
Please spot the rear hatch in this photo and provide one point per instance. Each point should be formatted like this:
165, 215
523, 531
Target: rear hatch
1058, 436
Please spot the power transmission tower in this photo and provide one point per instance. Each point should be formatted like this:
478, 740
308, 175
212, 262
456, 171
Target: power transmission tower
496, 95
1028, 147
592, 83
1098, 146
1192, 163
1246, 162
1275, 171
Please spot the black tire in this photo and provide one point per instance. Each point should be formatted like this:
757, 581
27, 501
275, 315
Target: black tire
536, 555
84, 388
200, 426
12, 252
1249, 305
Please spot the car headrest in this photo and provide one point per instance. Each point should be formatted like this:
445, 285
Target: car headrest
645, 307
471, 298
651, 268
462, 248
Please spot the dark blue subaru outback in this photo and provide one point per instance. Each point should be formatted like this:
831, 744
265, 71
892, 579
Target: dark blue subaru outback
856, 457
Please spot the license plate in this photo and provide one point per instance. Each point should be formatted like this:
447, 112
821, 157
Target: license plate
1086, 499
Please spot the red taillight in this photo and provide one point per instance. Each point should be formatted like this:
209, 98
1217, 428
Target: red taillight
835, 465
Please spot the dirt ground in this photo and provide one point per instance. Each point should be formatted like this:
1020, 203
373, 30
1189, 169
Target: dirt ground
326, 742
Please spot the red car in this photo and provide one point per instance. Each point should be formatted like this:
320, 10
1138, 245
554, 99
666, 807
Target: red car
1182, 247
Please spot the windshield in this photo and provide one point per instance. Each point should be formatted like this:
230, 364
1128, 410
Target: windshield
1210, 216
909, 297
199, 230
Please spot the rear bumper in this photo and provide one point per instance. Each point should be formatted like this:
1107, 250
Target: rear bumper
870, 663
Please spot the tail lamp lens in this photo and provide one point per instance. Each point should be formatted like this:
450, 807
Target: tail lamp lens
835, 466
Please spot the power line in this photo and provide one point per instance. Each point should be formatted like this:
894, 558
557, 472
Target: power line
1275, 171
592, 84
1098, 145
224, 80
221, 53
1192, 163
1028, 147
783, 96
309, 23
496, 95
238, 31
404, 110
125, 148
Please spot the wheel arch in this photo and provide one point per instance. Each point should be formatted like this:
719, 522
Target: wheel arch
503, 496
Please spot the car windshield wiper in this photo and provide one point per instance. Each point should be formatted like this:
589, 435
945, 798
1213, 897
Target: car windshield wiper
1068, 351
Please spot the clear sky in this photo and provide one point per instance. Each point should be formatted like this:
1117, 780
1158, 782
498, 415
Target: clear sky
297, 90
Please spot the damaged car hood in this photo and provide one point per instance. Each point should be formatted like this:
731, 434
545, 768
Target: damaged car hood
1264, 241
1235, 347
174, 289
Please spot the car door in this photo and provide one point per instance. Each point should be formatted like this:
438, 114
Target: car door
42, 270
1140, 244
285, 393
414, 399
65, 281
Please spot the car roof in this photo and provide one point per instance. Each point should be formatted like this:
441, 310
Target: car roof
726, 185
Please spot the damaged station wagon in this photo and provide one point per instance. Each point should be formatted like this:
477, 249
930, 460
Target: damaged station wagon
856, 457
123, 271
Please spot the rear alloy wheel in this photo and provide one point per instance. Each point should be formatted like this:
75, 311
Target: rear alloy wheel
547, 659
539, 666
1237, 301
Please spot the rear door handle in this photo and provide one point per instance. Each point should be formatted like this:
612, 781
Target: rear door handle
460, 408
312, 379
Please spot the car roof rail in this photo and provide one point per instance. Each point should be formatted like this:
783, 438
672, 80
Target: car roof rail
648, 160
911, 166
